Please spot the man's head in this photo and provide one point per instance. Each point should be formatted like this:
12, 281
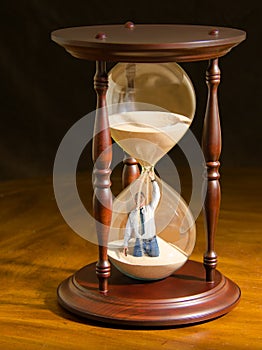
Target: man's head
140, 199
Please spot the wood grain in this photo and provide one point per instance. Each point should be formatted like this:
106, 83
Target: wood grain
148, 43
211, 145
38, 250
102, 157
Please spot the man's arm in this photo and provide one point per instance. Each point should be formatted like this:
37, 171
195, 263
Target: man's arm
156, 192
127, 236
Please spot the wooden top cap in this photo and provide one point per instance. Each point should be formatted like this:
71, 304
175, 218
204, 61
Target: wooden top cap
148, 43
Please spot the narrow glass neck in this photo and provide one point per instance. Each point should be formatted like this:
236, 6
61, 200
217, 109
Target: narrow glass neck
147, 175
146, 169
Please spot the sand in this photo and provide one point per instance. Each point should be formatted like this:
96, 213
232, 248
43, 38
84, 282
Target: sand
148, 135
169, 254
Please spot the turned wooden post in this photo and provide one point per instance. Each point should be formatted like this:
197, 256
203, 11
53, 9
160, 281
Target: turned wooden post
130, 77
211, 144
102, 157
130, 171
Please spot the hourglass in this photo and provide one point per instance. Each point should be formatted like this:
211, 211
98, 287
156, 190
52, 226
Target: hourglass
148, 231
152, 231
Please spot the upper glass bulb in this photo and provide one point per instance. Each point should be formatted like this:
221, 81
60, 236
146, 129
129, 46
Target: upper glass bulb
151, 106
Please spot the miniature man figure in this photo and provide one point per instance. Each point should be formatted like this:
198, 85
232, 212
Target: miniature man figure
141, 221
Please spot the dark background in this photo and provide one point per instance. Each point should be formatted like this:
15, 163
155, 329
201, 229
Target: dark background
44, 90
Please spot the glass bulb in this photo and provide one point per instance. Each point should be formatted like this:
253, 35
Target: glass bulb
151, 106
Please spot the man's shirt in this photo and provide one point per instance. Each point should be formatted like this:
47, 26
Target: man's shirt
134, 224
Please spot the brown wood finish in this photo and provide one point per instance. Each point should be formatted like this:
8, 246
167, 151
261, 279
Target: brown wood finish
130, 171
211, 145
102, 157
148, 43
152, 43
181, 299
130, 76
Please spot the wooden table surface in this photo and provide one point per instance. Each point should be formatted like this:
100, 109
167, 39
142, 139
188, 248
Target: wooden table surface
38, 250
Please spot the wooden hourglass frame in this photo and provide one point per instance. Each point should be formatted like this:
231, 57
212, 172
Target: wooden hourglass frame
196, 292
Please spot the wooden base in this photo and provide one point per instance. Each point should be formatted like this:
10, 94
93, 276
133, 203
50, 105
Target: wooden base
183, 298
